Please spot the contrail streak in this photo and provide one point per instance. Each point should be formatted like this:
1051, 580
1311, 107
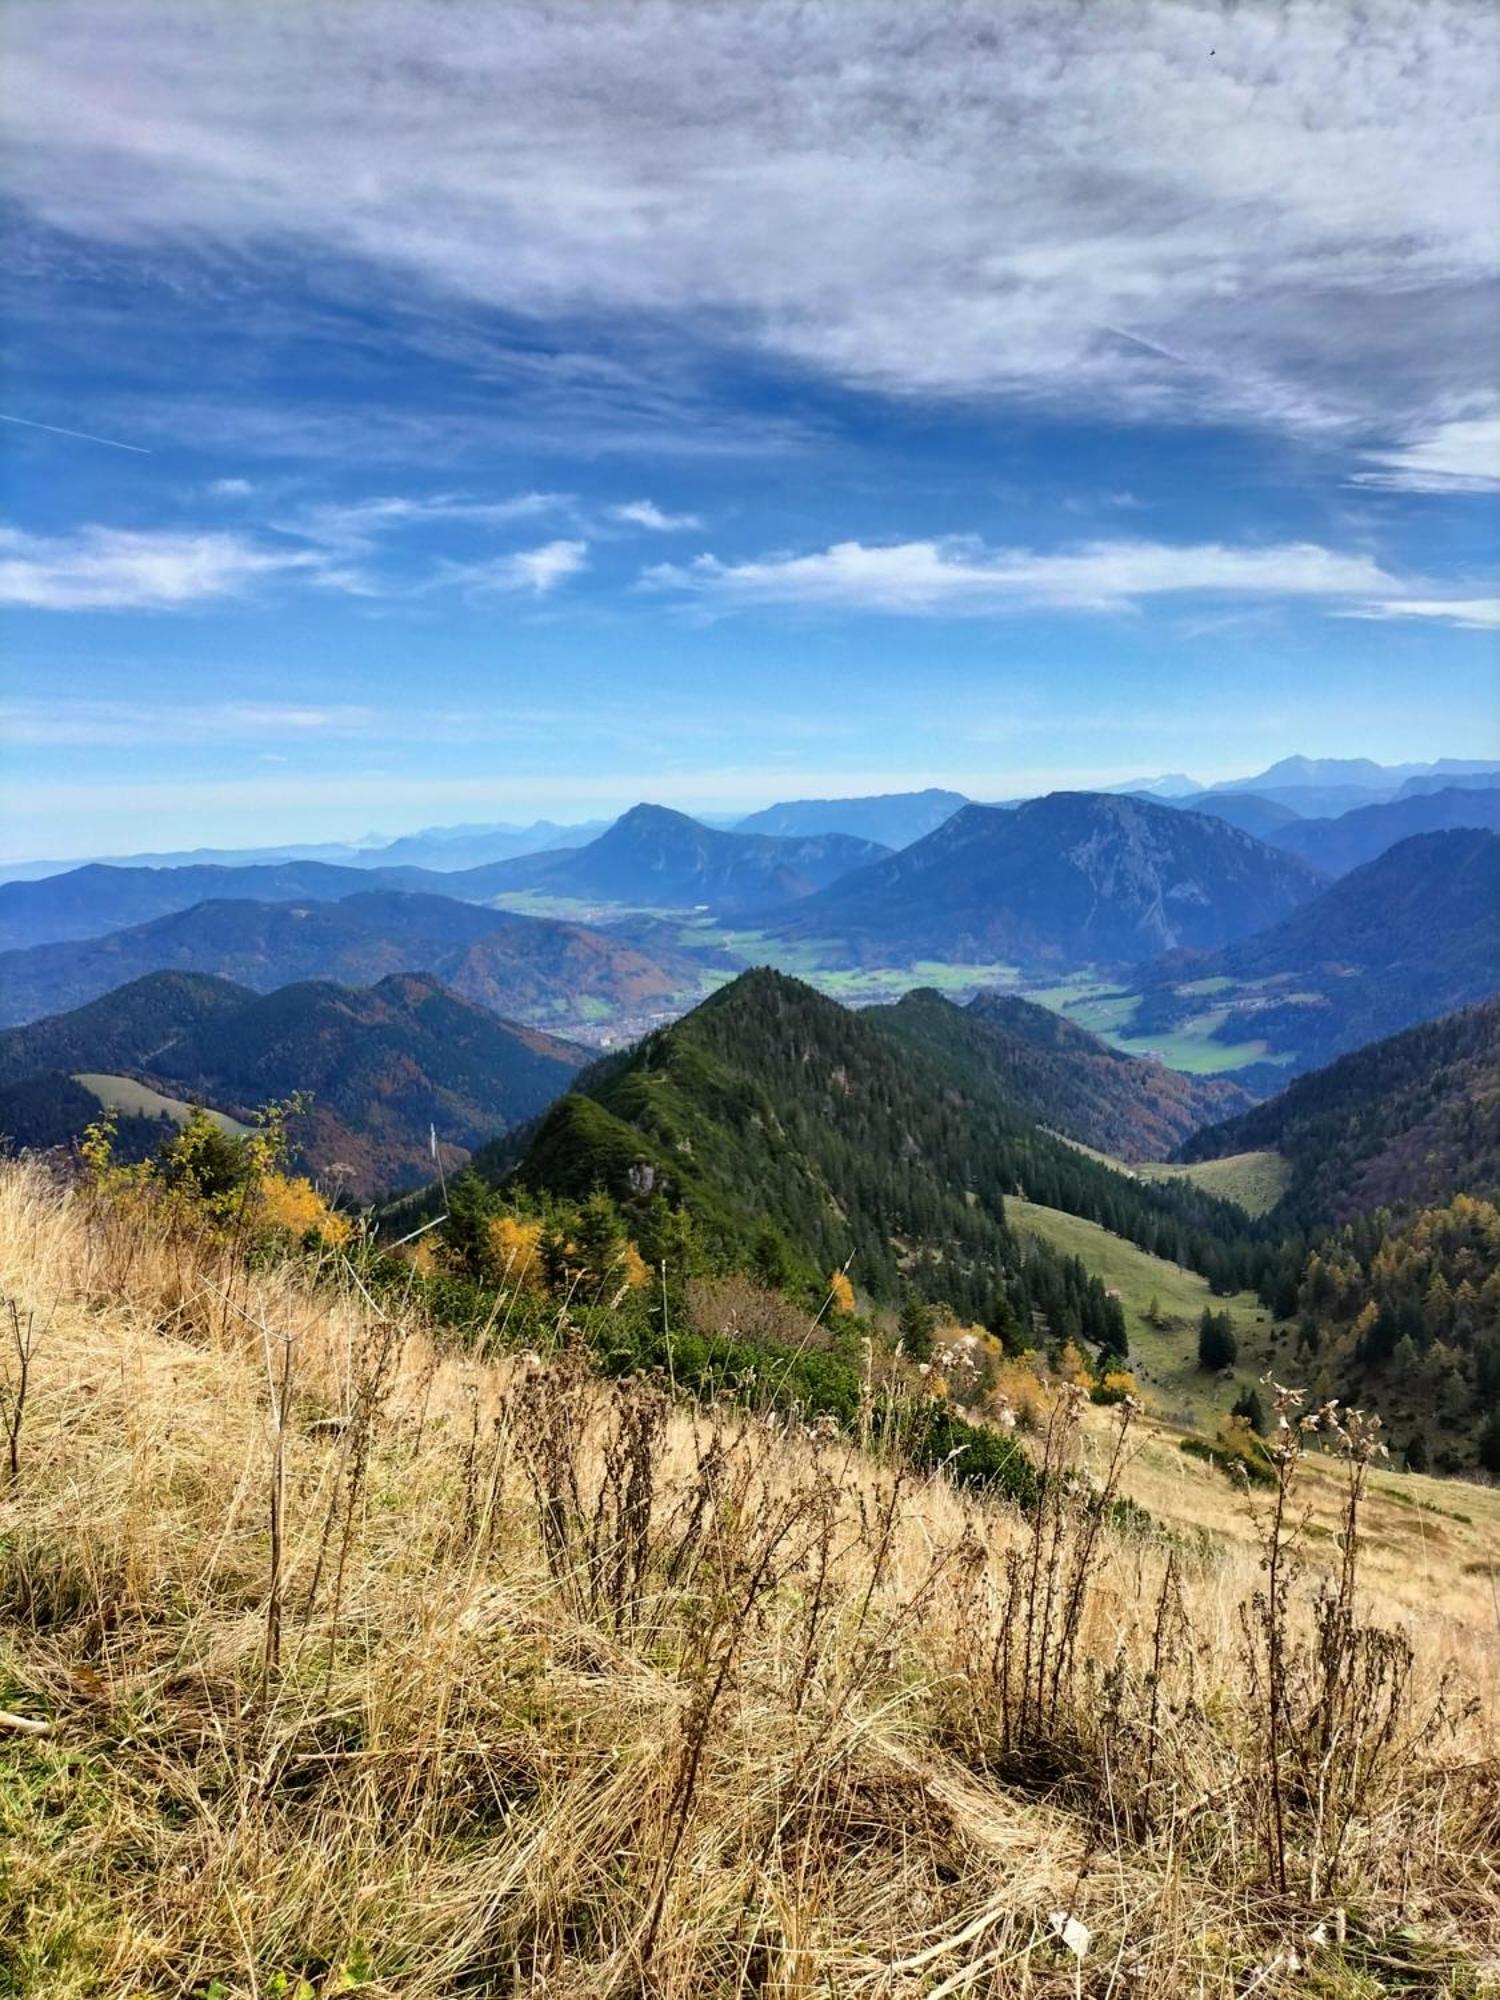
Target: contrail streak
87, 436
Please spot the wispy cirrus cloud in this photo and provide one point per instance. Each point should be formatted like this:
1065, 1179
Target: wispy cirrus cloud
330, 546
1278, 213
1460, 455
101, 724
538, 571
357, 525
1468, 614
118, 569
960, 576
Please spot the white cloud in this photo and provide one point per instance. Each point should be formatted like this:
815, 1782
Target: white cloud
102, 568
230, 489
538, 570
646, 514
1471, 614
355, 525
1461, 455
960, 576
117, 569
1280, 211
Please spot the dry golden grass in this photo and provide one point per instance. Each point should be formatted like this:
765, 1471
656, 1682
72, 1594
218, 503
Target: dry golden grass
383, 1668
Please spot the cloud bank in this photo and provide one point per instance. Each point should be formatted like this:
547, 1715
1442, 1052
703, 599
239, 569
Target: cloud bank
1276, 212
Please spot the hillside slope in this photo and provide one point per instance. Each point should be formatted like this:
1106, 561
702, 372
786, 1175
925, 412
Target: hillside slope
1076, 878
385, 1066
1058, 1074
772, 1105
1403, 939
654, 857
548, 974
1411, 1120
526, 1745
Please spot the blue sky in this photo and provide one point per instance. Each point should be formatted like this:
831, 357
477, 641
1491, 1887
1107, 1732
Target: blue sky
499, 410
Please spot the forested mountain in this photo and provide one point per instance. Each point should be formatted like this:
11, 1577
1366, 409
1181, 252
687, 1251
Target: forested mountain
771, 1107
1058, 1074
796, 1134
1405, 938
548, 974
654, 857
891, 819
125, 1029
1337, 845
383, 1065
1072, 879
1411, 1120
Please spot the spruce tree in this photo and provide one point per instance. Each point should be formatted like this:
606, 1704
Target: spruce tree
1217, 1346
916, 1328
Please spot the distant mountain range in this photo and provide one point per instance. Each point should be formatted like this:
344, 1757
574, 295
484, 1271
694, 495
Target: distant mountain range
1337, 845
1322, 787
435, 847
658, 858
1405, 938
548, 974
1168, 785
1309, 787
1249, 811
441, 849
1358, 772
386, 1065
650, 856
1077, 878
1414, 1119
90, 901
892, 819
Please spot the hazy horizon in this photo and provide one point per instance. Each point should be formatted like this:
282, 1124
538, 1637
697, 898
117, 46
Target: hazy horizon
605, 809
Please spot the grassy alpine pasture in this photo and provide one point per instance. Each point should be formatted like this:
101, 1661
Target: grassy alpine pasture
1164, 1357
1254, 1181
133, 1099
1432, 1547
